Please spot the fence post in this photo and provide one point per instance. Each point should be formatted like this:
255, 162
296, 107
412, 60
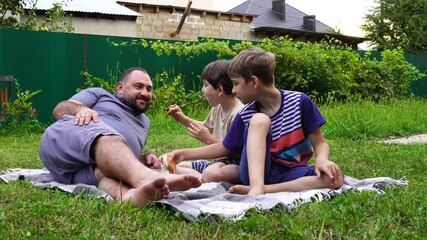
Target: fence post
5, 93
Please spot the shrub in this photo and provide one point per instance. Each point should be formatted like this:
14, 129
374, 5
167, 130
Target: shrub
20, 115
326, 71
167, 91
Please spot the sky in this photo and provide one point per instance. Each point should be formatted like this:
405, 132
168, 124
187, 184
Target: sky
346, 15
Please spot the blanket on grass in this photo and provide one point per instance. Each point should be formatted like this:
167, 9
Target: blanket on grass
211, 201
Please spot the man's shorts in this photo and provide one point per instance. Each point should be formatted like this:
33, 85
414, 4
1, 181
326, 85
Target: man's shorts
65, 150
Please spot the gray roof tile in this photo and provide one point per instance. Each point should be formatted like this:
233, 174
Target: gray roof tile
267, 18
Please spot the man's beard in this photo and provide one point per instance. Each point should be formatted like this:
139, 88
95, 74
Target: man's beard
138, 110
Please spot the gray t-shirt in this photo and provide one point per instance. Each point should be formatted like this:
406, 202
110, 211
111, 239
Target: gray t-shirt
133, 127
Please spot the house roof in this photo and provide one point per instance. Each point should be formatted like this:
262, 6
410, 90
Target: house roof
108, 7
267, 18
157, 3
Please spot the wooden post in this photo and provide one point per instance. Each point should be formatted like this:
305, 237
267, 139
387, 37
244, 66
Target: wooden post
186, 11
5, 90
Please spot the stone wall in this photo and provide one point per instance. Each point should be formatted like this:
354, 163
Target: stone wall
161, 23
108, 27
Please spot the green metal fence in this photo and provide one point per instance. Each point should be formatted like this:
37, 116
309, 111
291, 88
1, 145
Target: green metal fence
419, 88
53, 62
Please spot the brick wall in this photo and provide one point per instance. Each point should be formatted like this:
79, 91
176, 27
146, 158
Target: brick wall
160, 23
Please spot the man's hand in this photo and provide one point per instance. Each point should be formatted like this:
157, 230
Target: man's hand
85, 115
150, 160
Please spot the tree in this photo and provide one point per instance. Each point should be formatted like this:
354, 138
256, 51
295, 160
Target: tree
398, 23
9, 9
54, 20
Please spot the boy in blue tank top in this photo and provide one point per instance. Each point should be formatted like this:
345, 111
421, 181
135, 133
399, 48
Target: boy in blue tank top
278, 132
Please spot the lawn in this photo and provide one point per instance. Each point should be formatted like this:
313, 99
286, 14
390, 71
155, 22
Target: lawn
352, 131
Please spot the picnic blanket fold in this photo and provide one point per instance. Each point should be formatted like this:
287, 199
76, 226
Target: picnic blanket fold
211, 201
42, 178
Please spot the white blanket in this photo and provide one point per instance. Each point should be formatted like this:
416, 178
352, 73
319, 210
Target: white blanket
211, 201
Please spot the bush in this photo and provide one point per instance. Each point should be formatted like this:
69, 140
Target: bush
20, 115
167, 91
170, 91
326, 71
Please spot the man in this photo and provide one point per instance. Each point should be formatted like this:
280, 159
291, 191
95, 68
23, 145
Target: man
99, 137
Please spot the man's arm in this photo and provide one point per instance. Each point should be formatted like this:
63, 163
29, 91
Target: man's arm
70, 107
73, 107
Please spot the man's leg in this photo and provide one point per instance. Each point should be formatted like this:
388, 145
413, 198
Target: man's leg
115, 160
138, 197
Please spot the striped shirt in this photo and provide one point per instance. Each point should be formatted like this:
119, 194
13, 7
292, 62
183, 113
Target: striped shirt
290, 125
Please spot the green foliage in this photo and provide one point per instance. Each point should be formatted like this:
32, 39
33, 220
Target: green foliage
373, 120
168, 91
91, 81
325, 71
7, 10
186, 48
54, 20
20, 115
398, 23
386, 79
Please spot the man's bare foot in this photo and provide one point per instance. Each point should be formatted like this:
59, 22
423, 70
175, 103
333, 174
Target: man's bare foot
150, 191
182, 182
245, 190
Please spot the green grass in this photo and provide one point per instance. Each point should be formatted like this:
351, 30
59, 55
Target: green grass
28, 212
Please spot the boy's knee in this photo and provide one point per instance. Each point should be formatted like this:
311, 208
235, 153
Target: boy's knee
211, 175
336, 184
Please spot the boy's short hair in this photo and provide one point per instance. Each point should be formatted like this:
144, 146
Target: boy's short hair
253, 62
216, 74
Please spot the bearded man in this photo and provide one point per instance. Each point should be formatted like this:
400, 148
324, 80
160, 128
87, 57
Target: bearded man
98, 140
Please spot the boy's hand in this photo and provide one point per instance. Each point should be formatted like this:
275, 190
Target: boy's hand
173, 109
200, 132
167, 162
329, 168
175, 112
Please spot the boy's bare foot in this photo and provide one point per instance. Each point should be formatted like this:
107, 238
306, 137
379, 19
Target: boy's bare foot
245, 190
182, 182
150, 191
239, 189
